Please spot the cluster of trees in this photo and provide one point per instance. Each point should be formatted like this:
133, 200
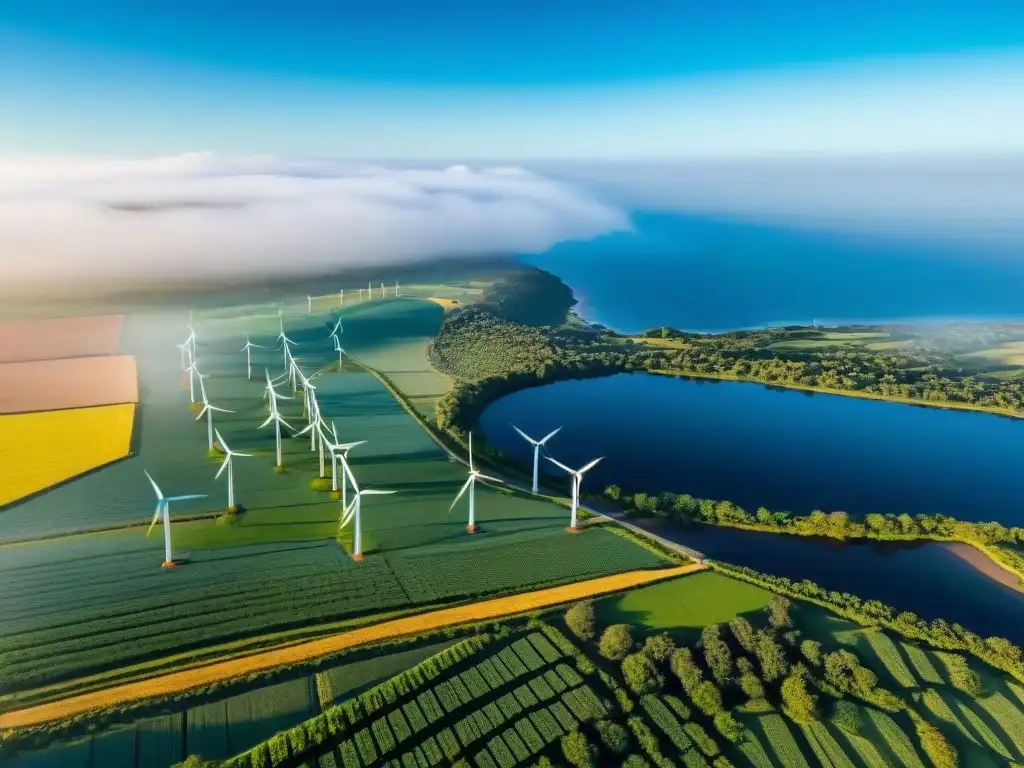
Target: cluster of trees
529, 296
995, 651
999, 539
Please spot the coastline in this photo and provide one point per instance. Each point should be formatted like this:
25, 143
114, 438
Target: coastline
984, 563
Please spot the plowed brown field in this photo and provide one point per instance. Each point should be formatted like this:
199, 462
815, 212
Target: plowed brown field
177, 682
58, 337
76, 382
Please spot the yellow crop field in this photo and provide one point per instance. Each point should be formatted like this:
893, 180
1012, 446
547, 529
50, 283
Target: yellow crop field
38, 450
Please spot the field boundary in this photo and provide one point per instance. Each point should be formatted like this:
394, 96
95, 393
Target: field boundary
180, 682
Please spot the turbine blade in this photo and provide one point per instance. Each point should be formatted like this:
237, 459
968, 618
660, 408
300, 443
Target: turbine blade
156, 516
156, 488
223, 443
524, 435
202, 412
269, 419
470, 451
235, 453
186, 498
348, 471
488, 478
285, 423
349, 446
556, 462
223, 466
222, 410
462, 490
544, 440
373, 492
591, 465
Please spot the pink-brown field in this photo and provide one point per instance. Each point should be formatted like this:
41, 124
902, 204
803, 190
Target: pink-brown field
60, 337
77, 382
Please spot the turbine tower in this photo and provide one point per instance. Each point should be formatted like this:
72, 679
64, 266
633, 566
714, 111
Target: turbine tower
229, 465
270, 392
282, 337
162, 508
396, 289
577, 478
248, 354
474, 475
208, 410
340, 350
339, 453
192, 370
341, 297
352, 512
275, 417
382, 294
309, 305
537, 445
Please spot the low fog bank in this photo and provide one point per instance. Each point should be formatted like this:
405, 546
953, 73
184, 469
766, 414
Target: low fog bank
964, 201
83, 225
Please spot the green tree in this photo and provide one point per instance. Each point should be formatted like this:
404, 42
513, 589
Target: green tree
716, 653
581, 620
614, 736
577, 750
659, 647
616, 642
939, 750
641, 674
751, 686
684, 667
962, 676
770, 656
707, 698
778, 612
743, 631
811, 651
797, 702
728, 726
613, 492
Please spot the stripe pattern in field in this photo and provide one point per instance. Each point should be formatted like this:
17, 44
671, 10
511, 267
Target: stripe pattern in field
59, 337
40, 450
74, 382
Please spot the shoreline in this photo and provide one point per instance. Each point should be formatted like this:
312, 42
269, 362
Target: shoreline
984, 563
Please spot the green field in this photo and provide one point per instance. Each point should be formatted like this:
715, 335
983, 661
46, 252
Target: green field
690, 602
99, 604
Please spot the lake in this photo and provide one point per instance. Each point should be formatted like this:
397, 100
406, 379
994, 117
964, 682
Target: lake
790, 450
782, 449
712, 274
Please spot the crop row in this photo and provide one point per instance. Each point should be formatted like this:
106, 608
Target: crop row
662, 717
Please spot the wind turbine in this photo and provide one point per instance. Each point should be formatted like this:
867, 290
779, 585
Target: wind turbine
229, 465
341, 297
309, 305
162, 507
369, 290
474, 475
283, 338
337, 327
382, 291
352, 512
537, 445
577, 478
248, 354
396, 289
271, 393
192, 371
208, 410
340, 350
315, 444
339, 452
275, 417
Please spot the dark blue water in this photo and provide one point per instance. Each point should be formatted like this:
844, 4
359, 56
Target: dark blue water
781, 449
699, 273
789, 450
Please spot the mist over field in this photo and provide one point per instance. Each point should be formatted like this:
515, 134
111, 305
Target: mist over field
202, 216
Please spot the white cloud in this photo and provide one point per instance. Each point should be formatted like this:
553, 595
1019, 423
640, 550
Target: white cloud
198, 215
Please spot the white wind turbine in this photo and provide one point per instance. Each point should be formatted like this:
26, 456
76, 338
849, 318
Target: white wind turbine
309, 304
337, 327
341, 297
339, 452
369, 290
207, 410
249, 346
396, 289
162, 508
275, 417
577, 478
474, 475
282, 337
537, 445
382, 295
352, 512
316, 438
229, 465
269, 392
192, 372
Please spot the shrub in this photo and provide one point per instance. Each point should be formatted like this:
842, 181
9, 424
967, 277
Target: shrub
581, 620
659, 647
743, 631
616, 642
614, 736
962, 676
641, 674
684, 667
707, 698
728, 726
778, 612
811, 651
635, 761
716, 653
577, 750
796, 701
846, 715
752, 686
771, 656
939, 751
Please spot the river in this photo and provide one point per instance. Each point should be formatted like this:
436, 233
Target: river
796, 451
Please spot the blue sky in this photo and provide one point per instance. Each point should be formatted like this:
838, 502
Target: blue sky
525, 79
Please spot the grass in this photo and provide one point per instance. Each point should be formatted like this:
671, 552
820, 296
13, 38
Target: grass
39, 450
1008, 353
686, 603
